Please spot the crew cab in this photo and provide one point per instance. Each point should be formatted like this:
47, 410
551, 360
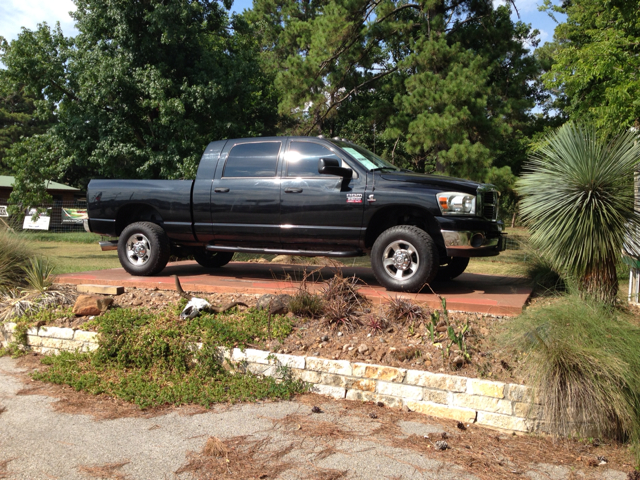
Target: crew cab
303, 196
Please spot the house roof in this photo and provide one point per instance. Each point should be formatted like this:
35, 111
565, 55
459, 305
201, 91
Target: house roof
7, 182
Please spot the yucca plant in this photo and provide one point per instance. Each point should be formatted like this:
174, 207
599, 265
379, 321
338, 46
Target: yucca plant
577, 201
39, 274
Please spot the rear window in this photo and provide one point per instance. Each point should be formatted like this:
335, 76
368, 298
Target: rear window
257, 159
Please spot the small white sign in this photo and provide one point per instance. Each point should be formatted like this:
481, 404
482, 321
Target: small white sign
3, 211
42, 223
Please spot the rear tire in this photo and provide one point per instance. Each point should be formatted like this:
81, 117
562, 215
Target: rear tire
404, 258
454, 268
143, 249
212, 259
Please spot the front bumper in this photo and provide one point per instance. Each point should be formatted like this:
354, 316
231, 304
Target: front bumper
473, 243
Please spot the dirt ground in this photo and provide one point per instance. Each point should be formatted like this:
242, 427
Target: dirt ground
311, 437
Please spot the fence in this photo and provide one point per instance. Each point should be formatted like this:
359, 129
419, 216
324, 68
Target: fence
62, 216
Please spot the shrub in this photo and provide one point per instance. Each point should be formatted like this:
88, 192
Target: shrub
577, 200
306, 304
582, 359
14, 257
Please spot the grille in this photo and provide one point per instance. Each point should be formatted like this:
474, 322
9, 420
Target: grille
490, 205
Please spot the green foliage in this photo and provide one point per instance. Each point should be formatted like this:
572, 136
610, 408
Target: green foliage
306, 304
152, 359
69, 237
582, 360
14, 256
39, 274
578, 204
596, 63
17, 118
138, 93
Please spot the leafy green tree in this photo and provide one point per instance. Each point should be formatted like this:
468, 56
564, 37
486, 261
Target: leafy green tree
596, 60
17, 118
578, 202
437, 85
142, 89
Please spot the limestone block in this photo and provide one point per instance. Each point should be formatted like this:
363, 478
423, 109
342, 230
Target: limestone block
363, 384
56, 332
378, 372
262, 369
306, 375
225, 353
486, 404
257, 356
334, 380
237, 355
464, 415
527, 410
34, 341
520, 393
9, 327
341, 367
84, 336
335, 392
410, 392
436, 396
72, 346
504, 422
291, 361
52, 342
360, 395
101, 289
438, 381
485, 388
32, 331
386, 400
90, 347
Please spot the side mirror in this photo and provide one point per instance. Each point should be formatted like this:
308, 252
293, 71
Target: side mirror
331, 166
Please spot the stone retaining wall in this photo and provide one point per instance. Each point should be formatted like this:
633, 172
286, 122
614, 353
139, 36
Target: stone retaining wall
468, 400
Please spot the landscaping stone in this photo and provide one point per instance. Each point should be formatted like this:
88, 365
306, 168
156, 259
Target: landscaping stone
101, 289
87, 305
486, 388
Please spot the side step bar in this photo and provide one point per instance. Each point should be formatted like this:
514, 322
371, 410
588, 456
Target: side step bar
111, 245
273, 251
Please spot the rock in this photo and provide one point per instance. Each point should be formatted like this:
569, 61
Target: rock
277, 304
382, 340
339, 334
441, 445
325, 338
363, 349
458, 361
87, 305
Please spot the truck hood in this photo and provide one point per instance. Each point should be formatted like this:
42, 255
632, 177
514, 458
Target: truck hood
448, 183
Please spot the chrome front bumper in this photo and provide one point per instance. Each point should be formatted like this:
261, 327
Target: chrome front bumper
472, 243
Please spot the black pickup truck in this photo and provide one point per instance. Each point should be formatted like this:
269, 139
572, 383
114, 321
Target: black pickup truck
300, 196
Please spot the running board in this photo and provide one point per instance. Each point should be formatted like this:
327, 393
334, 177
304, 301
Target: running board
108, 246
273, 251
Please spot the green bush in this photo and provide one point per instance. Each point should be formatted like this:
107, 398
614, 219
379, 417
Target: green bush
582, 359
14, 257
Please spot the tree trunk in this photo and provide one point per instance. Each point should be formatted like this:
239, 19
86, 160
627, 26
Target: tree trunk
600, 282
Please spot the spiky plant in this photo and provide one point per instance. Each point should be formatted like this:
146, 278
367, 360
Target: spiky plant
577, 200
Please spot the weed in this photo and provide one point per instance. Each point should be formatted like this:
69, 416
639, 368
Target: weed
343, 303
582, 358
306, 304
14, 255
404, 311
375, 323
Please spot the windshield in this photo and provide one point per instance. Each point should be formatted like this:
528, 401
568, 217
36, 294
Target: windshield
367, 159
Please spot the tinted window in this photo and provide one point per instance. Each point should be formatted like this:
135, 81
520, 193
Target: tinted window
252, 160
302, 158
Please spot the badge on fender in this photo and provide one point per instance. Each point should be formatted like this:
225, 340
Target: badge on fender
354, 198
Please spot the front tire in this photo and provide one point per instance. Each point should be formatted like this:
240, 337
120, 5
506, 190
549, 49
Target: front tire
404, 258
212, 259
454, 268
143, 249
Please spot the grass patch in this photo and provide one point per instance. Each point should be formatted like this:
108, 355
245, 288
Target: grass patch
151, 359
582, 359
69, 237
14, 257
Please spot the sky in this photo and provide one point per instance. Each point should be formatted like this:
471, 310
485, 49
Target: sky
15, 14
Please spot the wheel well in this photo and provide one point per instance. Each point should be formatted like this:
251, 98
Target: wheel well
136, 213
401, 215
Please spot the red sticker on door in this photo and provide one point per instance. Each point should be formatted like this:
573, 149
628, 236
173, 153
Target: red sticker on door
354, 198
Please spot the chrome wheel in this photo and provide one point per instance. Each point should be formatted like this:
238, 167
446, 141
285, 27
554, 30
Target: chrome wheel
400, 260
138, 249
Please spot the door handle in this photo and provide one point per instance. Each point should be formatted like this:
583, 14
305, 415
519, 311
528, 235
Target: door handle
292, 190
221, 190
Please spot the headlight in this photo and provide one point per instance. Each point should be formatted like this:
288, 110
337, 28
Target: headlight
456, 203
